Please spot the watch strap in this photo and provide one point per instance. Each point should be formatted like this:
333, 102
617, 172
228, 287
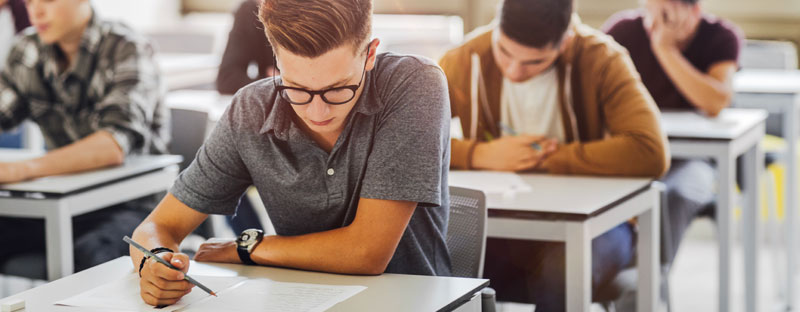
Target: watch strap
244, 255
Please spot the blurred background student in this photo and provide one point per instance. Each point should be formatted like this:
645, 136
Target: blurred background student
13, 19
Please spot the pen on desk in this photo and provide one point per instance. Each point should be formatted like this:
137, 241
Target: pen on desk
147, 253
507, 129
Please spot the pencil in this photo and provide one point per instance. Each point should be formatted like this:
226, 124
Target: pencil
164, 262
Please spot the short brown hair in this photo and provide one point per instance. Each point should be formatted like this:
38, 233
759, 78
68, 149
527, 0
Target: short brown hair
311, 28
536, 23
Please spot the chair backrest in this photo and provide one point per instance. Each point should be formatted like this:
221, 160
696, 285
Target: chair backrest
466, 231
762, 54
188, 133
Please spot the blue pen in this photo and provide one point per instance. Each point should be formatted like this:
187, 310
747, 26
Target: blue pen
507, 129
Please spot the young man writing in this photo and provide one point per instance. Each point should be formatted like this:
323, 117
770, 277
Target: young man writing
93, 89
539, 73
348, 150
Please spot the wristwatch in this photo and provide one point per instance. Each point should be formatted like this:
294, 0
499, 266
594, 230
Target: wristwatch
246, 243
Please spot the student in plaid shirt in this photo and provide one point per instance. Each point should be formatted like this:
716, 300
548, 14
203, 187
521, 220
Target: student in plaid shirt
94, 90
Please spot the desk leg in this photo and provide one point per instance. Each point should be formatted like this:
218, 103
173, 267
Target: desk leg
790, 129
58, 237
751, 217
648, 260
579, 267
726, 169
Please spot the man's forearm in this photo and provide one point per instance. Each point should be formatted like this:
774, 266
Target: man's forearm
98, 150
702, 90
335, 251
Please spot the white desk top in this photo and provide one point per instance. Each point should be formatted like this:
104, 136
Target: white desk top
182, 62
208, 101
74, 182
387, 292
731, 123
767, 81
559, 196
184, 70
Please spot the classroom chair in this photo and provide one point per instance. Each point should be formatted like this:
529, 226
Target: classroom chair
765, 54
466, 237
189, 127
188, 133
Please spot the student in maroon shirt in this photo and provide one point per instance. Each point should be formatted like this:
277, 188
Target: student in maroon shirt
687, 60
248, 55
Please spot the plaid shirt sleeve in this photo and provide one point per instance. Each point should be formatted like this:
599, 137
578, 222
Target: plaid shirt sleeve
13, 108
129, 105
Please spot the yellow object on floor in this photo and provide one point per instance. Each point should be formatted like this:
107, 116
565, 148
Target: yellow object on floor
775, 171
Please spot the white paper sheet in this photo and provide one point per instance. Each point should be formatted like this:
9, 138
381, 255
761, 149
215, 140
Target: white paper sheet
490, 182
123, 295
265, 295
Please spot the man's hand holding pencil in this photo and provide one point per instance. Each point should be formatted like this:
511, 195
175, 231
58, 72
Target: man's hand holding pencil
163, 276
161, 285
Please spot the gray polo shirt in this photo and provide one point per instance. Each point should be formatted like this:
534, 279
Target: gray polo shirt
395, 146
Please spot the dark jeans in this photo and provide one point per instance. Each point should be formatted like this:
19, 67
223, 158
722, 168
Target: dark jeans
690, 192
534, 271
97, 235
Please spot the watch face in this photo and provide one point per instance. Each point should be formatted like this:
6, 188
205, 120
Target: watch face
249, 237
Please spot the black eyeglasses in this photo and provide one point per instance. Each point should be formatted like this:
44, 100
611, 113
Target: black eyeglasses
333, 96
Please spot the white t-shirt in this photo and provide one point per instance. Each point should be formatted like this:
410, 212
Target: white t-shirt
7, 31
532, 107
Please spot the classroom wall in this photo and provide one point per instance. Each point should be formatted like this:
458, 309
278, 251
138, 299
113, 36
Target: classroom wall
760, 19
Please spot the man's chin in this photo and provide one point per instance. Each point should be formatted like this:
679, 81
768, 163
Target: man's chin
323, 128
44, 38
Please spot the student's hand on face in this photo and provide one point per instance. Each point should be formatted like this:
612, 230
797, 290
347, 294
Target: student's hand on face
13, 172
672, 26
161, 285
510, 153
682, 17
218, 250
661, 36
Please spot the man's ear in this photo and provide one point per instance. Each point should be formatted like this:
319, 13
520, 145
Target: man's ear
567, 41
372, 53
